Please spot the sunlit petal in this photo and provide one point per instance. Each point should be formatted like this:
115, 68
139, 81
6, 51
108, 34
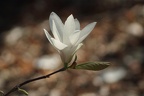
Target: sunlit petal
86, 30
81, 39
76, 48
74, 37
58, 23
77, 25
48, 35
72, 59
65, 54
69, 25
59, 45
55, 32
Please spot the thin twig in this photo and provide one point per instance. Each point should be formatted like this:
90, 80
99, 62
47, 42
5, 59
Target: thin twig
31, 80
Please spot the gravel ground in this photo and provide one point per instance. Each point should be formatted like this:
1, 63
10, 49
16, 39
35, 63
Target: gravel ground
118, 38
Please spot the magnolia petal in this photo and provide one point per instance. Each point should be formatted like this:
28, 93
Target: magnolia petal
65, 55
74, 37
86, 30
77, 24
81, 39
58, 45
77, 47
74, 50
69, 28
72, 59
48, 35
55, 32
62, 56
69, 25
50, 39
58, 23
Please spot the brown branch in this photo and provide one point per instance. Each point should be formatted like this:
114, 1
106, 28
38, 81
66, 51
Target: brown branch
32, 80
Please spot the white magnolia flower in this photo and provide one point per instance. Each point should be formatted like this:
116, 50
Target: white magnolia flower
68, 36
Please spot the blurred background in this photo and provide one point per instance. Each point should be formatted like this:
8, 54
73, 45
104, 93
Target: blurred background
117, 38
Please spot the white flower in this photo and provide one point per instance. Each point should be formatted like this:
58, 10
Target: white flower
68, 36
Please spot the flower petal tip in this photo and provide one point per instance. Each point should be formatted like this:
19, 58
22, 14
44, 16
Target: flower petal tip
94, 23
45, 31
71, 15
52, 13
